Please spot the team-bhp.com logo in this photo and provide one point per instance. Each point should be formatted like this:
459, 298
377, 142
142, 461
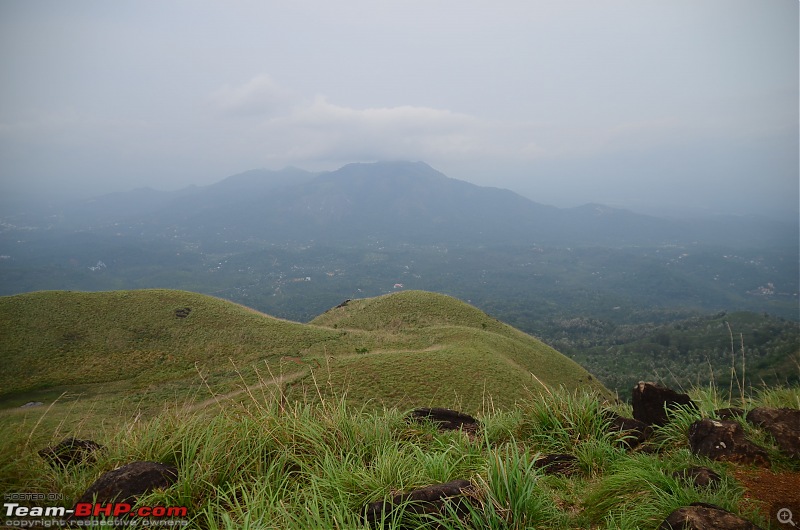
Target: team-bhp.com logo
93, 514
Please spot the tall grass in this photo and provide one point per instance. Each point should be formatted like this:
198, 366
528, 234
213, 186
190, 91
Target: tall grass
264, 463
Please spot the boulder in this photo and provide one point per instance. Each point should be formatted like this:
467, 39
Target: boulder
446, 419
632, 432
428, 500
701, 516
725, 440
127, 483
782, 424
70, 451
730, 413
698, 476
557, 464
651, 402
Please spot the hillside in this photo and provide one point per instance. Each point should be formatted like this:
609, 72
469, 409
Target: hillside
155, 346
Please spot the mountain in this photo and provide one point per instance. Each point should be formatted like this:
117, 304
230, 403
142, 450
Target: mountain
406, 202
404, 349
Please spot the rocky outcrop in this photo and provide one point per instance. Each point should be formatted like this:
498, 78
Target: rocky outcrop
730, 413
631, 432
700, 516
127, 483
725, 440
698, 476
446, 419
70, 451
782, 424
428, 500
557, 464
651, 402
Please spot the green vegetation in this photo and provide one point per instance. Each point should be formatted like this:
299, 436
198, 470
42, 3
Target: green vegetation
762, 349
607, 308
277, 424
131, 351
263, 464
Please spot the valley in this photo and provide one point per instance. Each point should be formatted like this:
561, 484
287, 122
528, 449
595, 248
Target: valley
293, 243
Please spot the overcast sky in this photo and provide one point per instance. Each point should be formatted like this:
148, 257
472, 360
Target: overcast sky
651, 105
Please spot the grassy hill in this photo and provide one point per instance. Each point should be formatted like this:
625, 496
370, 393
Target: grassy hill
206, 372
137, 350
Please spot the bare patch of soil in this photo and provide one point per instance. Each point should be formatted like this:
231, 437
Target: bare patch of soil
770, 492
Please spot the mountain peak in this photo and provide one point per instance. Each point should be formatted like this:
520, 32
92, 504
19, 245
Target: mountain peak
384, 169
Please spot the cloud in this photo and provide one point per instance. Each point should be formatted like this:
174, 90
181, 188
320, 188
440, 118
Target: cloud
287, 129
261, 96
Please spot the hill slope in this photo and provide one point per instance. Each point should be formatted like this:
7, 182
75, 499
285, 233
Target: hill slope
409, 348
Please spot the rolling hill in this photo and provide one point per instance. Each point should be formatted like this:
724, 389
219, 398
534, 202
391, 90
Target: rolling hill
152, 347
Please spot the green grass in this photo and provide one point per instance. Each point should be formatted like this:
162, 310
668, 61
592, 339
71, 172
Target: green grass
122, 354
275, 424
265, 464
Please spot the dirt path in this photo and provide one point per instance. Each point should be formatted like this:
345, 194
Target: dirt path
285, 378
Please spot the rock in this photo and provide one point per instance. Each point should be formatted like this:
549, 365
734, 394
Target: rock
700, 516
730, 413
446, 419
428, 500
782, 424
725, 440
183, 312
698, 476
632, 432
127, 483
70, 451
557, 464
651, 402
31, 404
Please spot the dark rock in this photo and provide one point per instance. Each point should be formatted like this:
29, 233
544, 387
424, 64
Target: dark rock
428, 500
701, 516
70, 451
343, 304
183, 312
782, 424
31, 404
698, 476
632, 432
127, 483
651, 402
557, 464
725, 440
730, 413
446, 419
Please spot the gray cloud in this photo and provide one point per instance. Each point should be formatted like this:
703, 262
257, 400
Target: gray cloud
627, 101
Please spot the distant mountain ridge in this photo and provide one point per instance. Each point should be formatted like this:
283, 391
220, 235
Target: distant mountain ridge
394, 202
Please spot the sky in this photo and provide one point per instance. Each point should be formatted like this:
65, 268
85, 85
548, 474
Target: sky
667, 106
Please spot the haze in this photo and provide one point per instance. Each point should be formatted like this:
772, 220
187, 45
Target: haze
658, 106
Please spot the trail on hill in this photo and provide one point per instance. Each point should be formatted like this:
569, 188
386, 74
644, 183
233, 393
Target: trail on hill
218, 398
295, 376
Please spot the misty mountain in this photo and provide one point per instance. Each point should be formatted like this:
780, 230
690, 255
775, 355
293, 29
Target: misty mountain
394, 202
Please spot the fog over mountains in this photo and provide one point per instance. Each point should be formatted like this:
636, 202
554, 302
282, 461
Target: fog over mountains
387, 201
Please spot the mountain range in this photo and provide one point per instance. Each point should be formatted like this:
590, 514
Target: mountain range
394, 202
292, 243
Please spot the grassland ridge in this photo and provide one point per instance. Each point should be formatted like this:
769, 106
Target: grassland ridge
150, 347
